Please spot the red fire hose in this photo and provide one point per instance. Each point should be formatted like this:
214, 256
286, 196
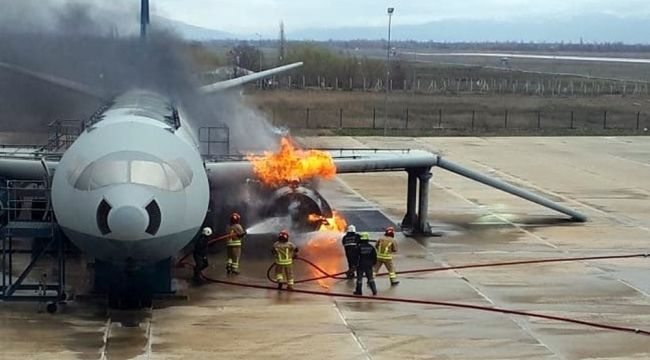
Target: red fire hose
441, 303
325, 275
181, 262
337, 276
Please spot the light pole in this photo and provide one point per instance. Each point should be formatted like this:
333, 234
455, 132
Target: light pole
390, 16
259, 50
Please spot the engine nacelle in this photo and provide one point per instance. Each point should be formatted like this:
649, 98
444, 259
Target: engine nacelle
298, 202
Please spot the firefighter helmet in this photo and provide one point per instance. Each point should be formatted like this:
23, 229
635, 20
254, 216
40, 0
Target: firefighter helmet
352, 229
283, 236
390, 231
206, 231
365, 236
235, 218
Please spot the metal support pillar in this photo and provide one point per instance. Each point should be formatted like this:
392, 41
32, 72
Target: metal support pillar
423, 226
3, 267
58, 235
410, 219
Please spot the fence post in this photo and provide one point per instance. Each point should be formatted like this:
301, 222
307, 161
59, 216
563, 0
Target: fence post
340, 118
638, 116
505, 119
473, 117
440, 118
605, 120
407, 118
571, 126
307, 119
374, 118
539, 119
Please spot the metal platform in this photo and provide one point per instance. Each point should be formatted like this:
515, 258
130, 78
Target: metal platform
27, 219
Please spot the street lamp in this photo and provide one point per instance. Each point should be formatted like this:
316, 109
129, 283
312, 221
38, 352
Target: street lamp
391, 10
259, 50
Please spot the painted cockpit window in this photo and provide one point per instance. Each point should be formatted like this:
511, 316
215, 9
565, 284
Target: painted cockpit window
129, 167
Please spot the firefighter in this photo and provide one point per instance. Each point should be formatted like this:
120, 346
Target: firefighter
234, 242
350, 244
284, 251
366, 259
200, 253
386, 246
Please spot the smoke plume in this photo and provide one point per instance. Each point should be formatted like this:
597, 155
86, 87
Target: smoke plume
97, 43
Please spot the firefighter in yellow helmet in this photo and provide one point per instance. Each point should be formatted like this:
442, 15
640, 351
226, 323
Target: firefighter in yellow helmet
234, 243
284, 251
386, 247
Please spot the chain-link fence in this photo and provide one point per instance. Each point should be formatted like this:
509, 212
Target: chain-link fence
458, 119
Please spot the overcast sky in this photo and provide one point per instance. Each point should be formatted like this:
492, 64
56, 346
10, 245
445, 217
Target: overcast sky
250, 16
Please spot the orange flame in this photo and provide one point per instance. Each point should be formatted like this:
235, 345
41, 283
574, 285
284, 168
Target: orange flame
335, 223
326, 249
290, 164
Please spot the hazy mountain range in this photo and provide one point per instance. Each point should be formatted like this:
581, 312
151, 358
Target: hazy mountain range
601, 28
192, 32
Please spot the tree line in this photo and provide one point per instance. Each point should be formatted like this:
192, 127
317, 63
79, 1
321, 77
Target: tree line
323, 66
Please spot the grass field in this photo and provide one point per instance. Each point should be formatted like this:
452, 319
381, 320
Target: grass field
359, 110
628, 72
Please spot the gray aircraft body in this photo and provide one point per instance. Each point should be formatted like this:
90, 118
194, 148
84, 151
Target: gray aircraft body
133, 188
137, 183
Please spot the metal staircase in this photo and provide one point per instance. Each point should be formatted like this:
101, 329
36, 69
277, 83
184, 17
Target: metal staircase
31, 241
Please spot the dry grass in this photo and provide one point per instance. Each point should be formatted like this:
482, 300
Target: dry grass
289, 108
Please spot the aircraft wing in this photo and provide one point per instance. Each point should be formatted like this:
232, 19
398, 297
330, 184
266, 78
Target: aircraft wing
61, 82
98, 93
369, 160
228, 84
19, 163
346, 161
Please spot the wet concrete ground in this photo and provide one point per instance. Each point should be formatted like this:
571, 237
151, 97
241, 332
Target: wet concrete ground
606, 178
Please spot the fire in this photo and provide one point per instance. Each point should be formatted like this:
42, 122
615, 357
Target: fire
290, 164
325, 247
335, 223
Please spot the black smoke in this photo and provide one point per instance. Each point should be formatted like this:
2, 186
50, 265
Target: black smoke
97, 43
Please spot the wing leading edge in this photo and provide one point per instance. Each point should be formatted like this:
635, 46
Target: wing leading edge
61, 82
346, 161
361, 161
228, 84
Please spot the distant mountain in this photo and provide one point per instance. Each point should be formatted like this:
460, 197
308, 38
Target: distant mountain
192, 32
591, 28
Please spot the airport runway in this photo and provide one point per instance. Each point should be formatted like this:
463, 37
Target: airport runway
605, 178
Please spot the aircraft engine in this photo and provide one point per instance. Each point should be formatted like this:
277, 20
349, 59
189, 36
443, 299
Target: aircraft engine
298, 202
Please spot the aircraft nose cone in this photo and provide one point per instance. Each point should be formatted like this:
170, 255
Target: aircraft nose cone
128, 222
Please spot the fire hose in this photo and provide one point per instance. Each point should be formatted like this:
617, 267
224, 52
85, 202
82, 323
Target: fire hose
326, 275
182, 261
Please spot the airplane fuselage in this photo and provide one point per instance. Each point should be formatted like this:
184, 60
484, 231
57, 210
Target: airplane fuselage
133, 185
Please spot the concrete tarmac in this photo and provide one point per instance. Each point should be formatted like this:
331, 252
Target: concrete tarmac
605, 178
